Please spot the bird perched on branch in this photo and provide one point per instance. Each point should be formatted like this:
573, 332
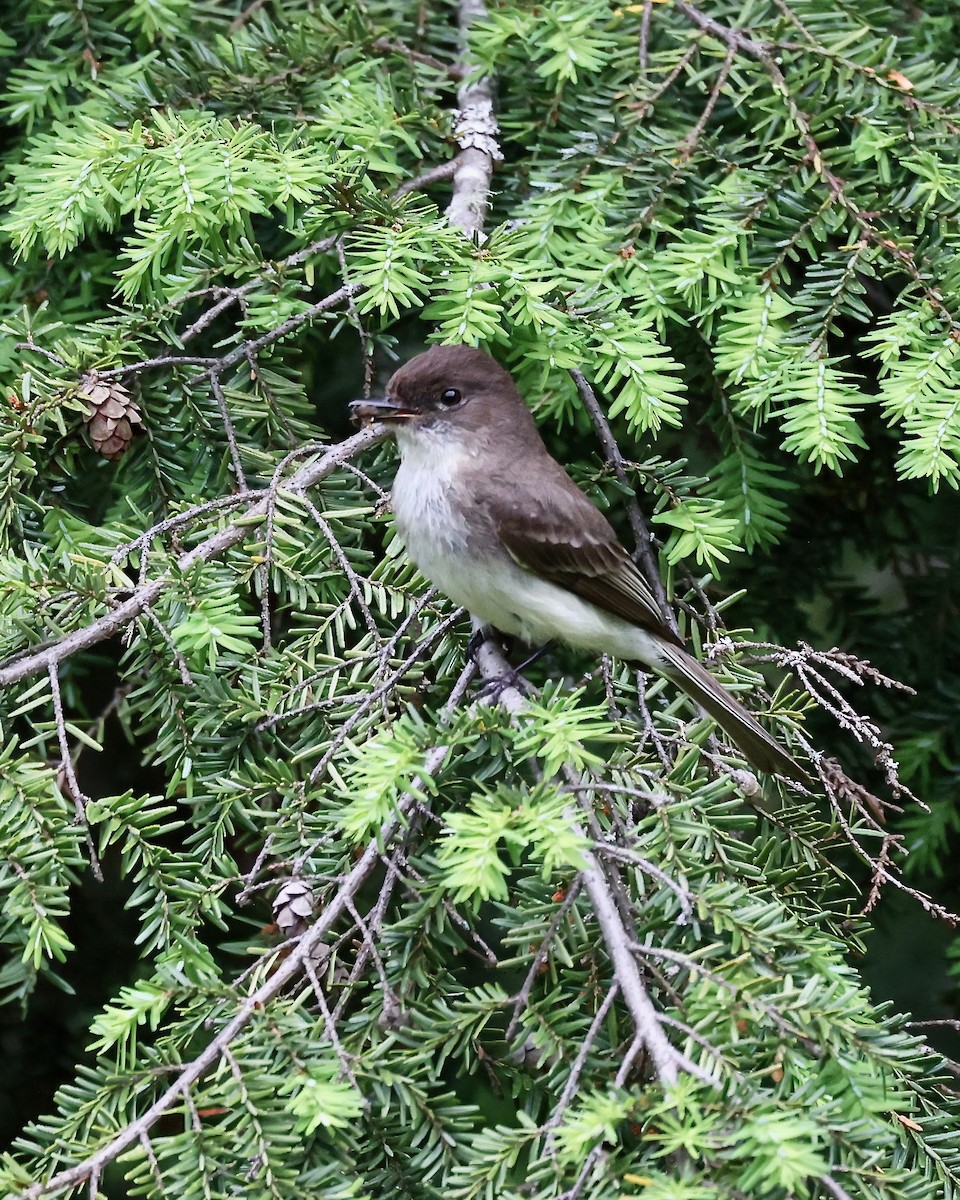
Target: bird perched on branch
496, 524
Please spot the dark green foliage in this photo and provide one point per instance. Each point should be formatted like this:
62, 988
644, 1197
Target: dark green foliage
740, 221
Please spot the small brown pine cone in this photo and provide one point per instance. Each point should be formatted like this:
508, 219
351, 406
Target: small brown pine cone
293, 906
112, 416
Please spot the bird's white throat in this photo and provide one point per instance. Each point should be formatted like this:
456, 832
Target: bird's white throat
429, 518
442, 530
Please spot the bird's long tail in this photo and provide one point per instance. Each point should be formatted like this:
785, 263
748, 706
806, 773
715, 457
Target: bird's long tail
759, 748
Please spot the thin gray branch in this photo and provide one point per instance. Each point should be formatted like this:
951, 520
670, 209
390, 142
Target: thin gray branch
396, 46
169, 524
476, 133
214, 547
834, 1188
247, 349
356, 585
576, 1070
237, 295
78, 797
379, 692
217, 389
286, 970
608, 850
329, 1024
543, 950
251, 348
666, 1061
176, 654
444, 170
625, 970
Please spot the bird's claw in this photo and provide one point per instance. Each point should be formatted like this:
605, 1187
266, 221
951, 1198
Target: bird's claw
477, 638
493, 689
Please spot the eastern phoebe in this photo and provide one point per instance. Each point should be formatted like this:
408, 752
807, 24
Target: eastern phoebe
497, 524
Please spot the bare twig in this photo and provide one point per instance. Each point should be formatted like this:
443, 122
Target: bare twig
264, 568
689, 143
576, 1069
586, 1171
243, 17
619, 947
840, 791
162, 360
225, 298
607, 850
247, 349
834, 1188
425, 179
238, 295
217, 389
329, 1024
151, 1158
476, 134
523, 996
356, 587
388, 684
368, 947
808, 665
644, 106
643, 53
396, 46
47, 354
66, 768
176, 654
170, 524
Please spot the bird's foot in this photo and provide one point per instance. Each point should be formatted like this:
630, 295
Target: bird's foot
477, 638
507, 677
510, 680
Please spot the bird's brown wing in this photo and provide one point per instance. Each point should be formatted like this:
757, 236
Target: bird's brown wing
554, 531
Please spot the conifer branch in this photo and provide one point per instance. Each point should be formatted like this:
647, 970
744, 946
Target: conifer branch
285, 971
664, 1058
576, 1068
79, 798
738, 41
437, 174
397, 46
29, 662
713, 254
522, 997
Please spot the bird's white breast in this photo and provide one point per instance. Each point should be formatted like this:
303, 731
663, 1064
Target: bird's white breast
439, 527
456, 548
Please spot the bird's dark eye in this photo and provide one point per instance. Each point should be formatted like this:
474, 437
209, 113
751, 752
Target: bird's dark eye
450, 397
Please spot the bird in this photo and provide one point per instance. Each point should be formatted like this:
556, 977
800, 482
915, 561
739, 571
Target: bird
495, 523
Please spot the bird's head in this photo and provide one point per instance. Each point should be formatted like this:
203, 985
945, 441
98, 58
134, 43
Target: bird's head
448, 391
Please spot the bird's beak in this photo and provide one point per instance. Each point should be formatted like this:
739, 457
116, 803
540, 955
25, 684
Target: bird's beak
362, 412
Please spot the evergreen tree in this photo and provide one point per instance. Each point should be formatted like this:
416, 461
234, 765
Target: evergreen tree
395, 935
